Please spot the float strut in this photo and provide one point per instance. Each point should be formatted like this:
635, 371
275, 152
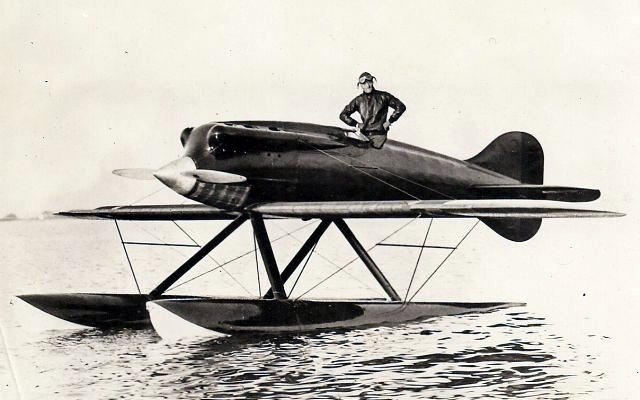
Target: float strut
366, 259
301, 254
199, 255
268, 258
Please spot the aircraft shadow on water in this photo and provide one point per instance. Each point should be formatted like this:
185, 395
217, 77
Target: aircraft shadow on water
252, 170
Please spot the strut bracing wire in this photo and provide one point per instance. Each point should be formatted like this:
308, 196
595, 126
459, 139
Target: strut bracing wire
415, 245
328, 259
233, 259
302, 270
162, 244
124, 246
445, 259
255, 251
147, 195
426, 235
213, 259
157, 238
357, 258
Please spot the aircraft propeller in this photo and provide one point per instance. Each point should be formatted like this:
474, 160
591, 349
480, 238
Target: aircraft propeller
180, 175
141, 174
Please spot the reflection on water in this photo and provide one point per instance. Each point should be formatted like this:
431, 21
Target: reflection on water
498, 355
549, 352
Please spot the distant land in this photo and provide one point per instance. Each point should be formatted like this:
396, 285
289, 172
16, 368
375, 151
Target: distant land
9, 217
42, 216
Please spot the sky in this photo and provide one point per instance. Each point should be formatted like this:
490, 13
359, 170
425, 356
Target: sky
92, 86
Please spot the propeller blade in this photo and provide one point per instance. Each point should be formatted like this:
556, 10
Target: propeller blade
212, 176
145, 174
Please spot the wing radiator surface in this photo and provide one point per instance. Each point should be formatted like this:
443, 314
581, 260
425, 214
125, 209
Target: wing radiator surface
154, 213
428, 208
516, 220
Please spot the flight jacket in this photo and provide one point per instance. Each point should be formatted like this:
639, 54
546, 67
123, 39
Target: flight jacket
373, 108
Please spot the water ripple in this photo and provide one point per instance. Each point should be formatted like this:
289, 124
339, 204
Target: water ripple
406, 361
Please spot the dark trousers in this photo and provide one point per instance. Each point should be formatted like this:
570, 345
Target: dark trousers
376, 138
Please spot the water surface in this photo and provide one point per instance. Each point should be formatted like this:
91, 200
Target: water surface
558, 351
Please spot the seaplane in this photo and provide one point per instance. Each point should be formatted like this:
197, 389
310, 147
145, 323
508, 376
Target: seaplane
249, 171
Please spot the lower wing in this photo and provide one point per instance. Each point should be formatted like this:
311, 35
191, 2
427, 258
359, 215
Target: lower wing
352, 209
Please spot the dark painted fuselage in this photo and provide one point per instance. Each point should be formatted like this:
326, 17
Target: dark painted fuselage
325, 166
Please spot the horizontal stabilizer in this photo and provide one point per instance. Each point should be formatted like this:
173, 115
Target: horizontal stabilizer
536, 192
154, 213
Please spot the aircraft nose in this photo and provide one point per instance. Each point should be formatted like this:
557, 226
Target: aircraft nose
172, 175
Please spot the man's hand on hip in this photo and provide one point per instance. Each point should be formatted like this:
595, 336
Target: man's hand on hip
386, 125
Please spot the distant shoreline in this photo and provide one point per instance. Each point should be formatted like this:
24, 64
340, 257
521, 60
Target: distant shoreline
42, 217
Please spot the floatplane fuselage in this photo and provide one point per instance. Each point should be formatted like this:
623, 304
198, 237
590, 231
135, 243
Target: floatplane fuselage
251, 170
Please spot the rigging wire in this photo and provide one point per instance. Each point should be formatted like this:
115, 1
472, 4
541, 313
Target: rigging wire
255, 251
416, 183
329, 260
387, 171
213, 259
309, 256
235, 259
418, 260
407, 179
157, 238
445, 259
147, 195
163, 243
357, 258
364, 172
302, 270
395, 187
124, 246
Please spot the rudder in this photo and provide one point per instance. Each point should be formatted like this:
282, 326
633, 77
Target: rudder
517, 155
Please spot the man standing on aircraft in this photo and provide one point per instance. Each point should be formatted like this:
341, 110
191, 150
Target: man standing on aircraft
372, 105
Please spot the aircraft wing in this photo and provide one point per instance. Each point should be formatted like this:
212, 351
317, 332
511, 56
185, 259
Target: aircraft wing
429, 208
350, 209
154, 213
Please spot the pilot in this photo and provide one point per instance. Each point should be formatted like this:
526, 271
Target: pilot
372, 105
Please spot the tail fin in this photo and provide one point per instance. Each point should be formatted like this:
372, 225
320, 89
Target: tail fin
517, 155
